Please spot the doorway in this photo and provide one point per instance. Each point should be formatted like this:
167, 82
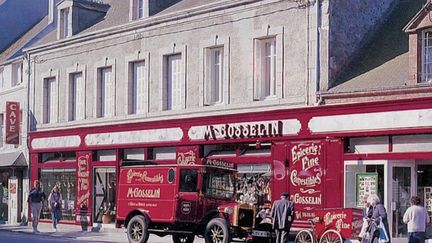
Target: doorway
104, 196
408, 178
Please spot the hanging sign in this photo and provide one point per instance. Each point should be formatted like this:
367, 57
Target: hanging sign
12, 122
83, 200
366, 185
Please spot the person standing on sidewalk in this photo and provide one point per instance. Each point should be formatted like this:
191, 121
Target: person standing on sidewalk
54, 202
35, 199
283, 216
416, 217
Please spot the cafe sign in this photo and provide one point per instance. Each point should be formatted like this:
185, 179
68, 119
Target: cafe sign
257, 129
12, 122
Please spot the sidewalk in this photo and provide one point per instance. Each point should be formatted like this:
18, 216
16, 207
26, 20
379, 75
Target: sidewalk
74, 232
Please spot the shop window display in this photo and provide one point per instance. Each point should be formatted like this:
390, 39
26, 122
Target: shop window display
254, 184
4, 195
65, 179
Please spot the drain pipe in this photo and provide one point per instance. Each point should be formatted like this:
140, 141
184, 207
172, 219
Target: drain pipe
318, 56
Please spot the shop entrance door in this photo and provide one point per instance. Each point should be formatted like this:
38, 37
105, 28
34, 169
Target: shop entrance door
401, 189
104, 196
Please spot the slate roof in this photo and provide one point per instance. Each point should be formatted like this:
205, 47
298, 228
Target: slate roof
383, 64
118, 14
13, 25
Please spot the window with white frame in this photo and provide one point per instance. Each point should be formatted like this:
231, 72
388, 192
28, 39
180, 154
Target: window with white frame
213, 78
174, 87
138, 9
105, 93
64, 23
1, 130
427, 56
137, 87
76, 104
17, 73
265, 68
49, 94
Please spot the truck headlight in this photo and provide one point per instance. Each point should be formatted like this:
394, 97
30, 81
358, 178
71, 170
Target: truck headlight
228, 210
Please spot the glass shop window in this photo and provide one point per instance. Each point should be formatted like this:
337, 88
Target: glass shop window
65, 179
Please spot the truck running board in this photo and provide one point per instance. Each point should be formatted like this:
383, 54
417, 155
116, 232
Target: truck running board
169, 231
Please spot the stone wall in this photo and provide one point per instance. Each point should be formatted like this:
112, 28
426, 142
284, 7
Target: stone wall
352, 24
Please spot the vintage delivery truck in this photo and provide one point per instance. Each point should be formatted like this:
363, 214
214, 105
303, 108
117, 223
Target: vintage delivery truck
184, 199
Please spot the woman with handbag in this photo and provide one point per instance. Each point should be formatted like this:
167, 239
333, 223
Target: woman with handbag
54, 200
379, 214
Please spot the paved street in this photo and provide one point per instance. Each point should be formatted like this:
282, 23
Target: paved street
70, 233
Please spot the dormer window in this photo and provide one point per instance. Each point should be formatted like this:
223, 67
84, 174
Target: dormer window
138, 9
427, 56
64, 23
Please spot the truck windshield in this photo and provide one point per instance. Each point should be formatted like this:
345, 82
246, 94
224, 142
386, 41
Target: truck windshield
219, 184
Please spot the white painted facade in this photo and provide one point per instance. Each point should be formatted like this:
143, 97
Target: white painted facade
236, 28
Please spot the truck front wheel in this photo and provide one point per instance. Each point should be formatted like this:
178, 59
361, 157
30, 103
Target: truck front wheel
217, 231
183, 238
137, 229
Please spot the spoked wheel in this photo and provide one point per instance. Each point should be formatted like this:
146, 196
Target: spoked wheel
137, 229
217, 231
183, 238
304, 236
331, 236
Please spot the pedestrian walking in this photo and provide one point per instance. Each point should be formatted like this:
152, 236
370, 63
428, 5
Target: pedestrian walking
54, 202
283, 216
416, 217
379, 215
35, 199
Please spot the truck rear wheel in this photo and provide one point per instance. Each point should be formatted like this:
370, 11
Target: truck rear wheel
137, 229
217, 231
183, 238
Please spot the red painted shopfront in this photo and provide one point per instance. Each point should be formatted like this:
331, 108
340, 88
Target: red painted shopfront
304, 151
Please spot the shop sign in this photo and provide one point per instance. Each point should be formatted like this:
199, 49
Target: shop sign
186, 158
220, 164
258, 129
366, 185
306, 177
83, 182
12, 122
12, 188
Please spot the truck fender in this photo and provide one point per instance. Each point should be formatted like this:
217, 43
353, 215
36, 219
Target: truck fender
137, 211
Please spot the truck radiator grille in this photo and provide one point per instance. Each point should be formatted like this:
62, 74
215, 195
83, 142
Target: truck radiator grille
245, 217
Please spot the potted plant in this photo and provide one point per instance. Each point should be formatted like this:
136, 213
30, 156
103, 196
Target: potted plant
108, 212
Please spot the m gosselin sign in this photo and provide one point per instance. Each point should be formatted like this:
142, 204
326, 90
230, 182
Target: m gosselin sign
12, 122
255, 129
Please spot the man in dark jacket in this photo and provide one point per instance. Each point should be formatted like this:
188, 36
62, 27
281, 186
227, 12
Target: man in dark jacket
283, 216
35, 199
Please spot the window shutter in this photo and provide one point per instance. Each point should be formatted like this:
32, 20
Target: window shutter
109, 92
53, 99
80, 97
258, 67
176, 94
45, 105
272, 84
140, 91
208, 76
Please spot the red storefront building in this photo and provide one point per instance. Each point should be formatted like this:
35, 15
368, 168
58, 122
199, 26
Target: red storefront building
326, 157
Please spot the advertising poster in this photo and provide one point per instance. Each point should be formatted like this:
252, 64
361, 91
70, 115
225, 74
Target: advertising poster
366, 185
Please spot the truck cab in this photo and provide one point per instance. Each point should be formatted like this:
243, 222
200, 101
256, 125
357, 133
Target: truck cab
182, 199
